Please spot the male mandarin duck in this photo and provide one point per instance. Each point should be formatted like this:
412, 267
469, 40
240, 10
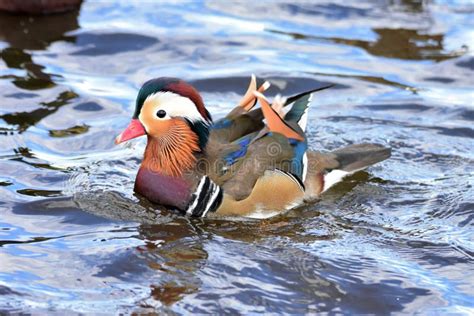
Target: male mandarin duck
253, 162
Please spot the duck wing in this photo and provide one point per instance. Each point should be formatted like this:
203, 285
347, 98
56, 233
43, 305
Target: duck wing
244, 119
280, 145
230, 136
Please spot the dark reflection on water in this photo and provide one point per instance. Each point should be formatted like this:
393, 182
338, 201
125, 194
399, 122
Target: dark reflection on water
394, 43
111, 44
395, 238
37, 32
23, 120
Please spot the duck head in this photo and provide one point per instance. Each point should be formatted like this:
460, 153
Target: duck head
172, 115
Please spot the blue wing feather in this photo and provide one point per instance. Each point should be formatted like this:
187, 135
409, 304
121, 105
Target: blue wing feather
297, 164
243, 144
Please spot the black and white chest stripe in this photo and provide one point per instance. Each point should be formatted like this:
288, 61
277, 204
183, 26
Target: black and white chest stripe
207, 198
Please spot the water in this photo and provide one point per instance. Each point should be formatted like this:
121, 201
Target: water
397, 238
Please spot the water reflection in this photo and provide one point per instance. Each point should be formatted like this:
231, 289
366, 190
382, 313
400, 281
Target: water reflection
396, 238
415, 6
35, 78
111, 44
23, 120
37, 32
25, 33
393, 43
176, 252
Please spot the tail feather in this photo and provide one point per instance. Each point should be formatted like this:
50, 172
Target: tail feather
360, 156
351, 159
302, 94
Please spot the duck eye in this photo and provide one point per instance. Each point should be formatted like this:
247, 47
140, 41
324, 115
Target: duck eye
161, 113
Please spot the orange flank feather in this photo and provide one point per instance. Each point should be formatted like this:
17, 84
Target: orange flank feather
274, 122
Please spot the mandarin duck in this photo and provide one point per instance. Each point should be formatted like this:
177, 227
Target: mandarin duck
254, 162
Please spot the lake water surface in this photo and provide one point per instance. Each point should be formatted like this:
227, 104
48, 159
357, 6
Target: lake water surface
396, 238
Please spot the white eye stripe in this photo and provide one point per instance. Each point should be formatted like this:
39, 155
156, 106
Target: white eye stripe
174, 105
